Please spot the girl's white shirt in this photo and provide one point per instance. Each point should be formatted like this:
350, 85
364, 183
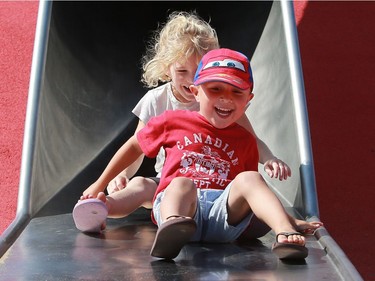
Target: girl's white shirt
154, 103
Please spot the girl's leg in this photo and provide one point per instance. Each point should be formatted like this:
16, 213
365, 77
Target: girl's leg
90, 215
138, 192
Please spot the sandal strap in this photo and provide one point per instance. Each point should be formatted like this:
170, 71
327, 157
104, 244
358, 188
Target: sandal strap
287, 234
177, 216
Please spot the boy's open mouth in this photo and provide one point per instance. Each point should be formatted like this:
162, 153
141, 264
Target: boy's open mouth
223, 112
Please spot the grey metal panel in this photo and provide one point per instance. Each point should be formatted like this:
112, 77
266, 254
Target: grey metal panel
278, 110
272, 108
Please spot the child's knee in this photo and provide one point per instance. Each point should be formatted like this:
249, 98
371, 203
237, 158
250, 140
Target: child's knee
144, 184
248, 182
249, 177
182, 182
182, 185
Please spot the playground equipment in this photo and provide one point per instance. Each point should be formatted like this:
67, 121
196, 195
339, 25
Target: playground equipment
84, 84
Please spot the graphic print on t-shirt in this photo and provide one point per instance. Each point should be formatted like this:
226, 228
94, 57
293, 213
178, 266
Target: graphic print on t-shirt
205, 168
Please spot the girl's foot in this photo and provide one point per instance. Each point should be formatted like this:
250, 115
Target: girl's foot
90, 214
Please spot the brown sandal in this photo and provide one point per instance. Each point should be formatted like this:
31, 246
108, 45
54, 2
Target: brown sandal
172, 235
289, 250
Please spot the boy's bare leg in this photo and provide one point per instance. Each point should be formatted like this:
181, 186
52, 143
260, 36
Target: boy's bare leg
177, 208
139, 192
258, 228
250, 192
180, 199
306, 227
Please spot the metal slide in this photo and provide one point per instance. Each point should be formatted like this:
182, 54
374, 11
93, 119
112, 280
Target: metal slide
84, 84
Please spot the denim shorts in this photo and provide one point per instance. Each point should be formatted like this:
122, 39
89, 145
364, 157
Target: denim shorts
211, 216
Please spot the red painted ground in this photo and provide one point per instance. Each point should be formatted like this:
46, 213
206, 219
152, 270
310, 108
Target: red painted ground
17, 30
337, 41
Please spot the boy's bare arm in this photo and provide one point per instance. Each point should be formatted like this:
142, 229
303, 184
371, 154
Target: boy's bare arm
125, 156
265, 153
273, 166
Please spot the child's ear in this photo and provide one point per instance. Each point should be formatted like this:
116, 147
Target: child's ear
250, 97
194, 90
168, 74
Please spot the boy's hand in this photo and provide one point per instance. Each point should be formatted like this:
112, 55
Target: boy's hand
117, 184
276, 168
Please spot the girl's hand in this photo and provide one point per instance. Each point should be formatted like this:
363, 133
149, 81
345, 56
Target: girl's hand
117, 184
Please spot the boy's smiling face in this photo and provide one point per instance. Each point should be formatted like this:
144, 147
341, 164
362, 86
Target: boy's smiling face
221, 103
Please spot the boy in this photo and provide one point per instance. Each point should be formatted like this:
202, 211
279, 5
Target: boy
210, 188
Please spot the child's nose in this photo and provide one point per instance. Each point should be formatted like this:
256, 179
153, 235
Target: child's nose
225, 98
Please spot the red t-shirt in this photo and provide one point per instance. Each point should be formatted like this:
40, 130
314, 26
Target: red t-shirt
195, 149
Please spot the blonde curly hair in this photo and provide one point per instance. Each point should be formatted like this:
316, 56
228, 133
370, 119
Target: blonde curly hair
182, 36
